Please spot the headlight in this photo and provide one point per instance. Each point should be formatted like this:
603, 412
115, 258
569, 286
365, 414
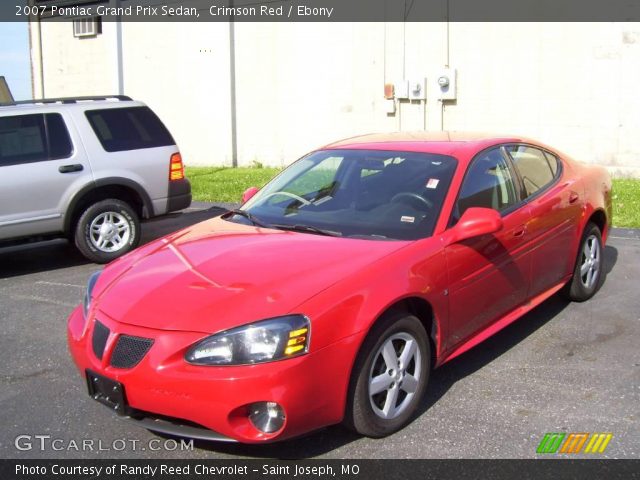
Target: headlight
265, 341
86, 302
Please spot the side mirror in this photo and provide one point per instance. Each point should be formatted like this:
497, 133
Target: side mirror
476, 221
248, 193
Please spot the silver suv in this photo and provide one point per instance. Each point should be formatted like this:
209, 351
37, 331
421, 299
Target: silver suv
87, 168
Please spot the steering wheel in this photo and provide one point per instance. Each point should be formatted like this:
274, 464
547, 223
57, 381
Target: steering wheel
411, 197
287, 194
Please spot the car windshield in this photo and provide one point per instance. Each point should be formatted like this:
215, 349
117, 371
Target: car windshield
355, 193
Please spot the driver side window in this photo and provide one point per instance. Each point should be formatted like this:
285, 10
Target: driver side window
488, 183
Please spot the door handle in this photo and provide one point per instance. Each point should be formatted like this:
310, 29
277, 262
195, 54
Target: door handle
573, 197
520, 231
76, 167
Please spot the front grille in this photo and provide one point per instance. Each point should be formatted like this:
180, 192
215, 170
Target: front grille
99, 340
129, 351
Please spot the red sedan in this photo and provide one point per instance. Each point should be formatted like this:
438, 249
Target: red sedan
335, 290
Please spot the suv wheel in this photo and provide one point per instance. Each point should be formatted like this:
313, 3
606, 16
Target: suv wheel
107, 230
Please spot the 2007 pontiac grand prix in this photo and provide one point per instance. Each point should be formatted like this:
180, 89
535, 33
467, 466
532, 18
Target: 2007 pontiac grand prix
335, 290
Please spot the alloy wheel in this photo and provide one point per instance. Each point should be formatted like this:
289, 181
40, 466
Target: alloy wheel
109, 232
590, 264
395, 375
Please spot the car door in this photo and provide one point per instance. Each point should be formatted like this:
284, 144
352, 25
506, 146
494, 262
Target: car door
38, 165
488, 275
555, 201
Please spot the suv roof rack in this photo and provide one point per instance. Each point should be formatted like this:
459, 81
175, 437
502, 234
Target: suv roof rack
122, 98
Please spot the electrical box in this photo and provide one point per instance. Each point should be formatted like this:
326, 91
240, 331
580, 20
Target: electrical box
390, 106
418, 89
446, 84
389, 91
402, 89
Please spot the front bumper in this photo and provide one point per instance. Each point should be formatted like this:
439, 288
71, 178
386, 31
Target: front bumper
311, 389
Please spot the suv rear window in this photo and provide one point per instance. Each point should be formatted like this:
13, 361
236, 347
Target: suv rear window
133, 128
23, 138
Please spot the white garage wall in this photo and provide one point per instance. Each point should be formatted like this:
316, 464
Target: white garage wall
302, 85
73, 66
181, 70
573, 86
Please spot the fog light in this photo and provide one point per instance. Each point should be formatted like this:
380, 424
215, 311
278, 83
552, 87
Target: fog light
268, 417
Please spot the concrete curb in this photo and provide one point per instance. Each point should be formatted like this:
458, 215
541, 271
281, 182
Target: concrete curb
625, 233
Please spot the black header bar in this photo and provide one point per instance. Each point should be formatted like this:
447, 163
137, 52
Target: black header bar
318, 469
325, 10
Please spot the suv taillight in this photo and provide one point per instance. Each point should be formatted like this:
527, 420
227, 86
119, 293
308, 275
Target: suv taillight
176, 168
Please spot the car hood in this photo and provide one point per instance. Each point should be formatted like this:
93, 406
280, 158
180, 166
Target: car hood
217, 275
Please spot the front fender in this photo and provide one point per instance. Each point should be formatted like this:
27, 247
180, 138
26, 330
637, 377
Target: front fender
349, 308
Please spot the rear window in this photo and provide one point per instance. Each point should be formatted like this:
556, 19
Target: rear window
23, 138
59, 141
133, 128
553, 162
533, 166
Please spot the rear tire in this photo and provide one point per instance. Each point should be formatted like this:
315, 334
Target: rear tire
588, 272
106, 230
389, 377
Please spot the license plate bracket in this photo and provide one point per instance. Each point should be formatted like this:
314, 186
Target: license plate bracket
106, 391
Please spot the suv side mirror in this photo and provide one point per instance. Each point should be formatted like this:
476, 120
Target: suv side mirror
248, 193
476, 221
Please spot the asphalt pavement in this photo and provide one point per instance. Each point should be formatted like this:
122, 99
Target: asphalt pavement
564, 367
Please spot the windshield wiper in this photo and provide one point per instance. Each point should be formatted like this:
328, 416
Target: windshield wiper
249, 216
307, 229
298, 228
375, 236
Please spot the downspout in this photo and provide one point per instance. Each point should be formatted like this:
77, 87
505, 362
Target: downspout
33, 87
119, 54
447, 39
232, 77
446, 64
404, 59
40, 58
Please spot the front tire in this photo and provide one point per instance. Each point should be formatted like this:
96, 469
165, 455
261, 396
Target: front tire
390, 376
106, 230
588, 272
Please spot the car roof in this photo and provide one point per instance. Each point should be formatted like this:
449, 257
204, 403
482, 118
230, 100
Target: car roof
440, 142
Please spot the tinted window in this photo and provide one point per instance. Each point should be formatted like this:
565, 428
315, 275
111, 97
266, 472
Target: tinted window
319, 178
22, 139
533, 167
553, 162
120, 129
488, 183
59, 141
357, 193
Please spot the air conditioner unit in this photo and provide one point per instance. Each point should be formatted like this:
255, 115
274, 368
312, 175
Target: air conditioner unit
86, 27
